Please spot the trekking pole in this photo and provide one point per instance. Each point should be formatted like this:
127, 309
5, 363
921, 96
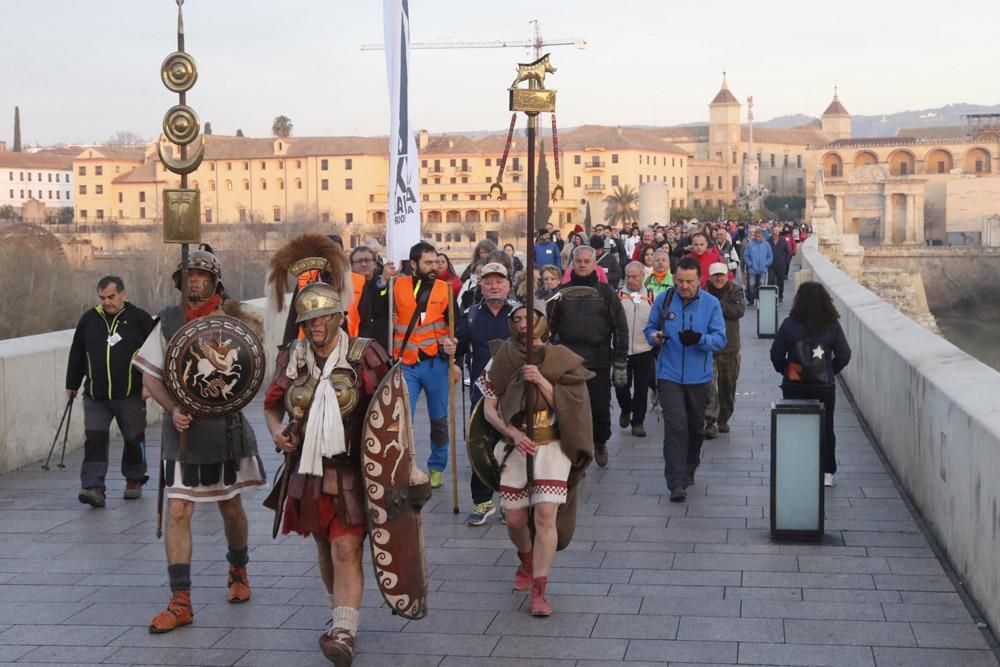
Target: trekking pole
451, 404
69, 419
45, 466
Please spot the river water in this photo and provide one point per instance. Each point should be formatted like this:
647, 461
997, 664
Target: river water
975, 331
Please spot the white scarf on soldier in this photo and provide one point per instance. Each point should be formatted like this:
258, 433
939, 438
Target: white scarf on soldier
324, 436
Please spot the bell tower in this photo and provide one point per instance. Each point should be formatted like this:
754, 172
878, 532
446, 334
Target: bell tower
836, 120
724, 133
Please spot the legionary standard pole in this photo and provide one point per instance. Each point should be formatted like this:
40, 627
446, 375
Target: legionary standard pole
533, 100
181, 206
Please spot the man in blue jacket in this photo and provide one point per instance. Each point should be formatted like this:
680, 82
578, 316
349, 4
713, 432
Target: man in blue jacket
687, 326
546, 251
758, 258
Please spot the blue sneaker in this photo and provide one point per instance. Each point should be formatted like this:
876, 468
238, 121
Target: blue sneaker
480, 513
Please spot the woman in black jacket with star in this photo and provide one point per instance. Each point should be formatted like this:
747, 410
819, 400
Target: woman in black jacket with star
809, 350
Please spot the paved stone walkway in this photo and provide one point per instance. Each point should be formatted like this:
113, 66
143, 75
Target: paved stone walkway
644, 582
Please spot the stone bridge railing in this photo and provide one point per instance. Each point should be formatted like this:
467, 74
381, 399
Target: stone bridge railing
33, 395
933, 411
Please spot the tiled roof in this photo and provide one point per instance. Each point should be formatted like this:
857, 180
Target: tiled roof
777, 135
608, 137
113, 153
218, 147
145, 173
835, 108
40, 160
871, 141
724, 96
934, 133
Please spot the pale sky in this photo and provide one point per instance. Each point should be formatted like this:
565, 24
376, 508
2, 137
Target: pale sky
82, 70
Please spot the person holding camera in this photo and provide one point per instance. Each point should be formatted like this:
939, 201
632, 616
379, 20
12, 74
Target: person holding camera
687, 326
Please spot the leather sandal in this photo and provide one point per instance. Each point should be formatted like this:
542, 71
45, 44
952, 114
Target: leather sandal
238, 583
337, 645
177, 613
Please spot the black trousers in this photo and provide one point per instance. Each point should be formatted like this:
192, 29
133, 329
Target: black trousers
827, 395
599, 388
130, 414
775, 277
683, 429
633, 397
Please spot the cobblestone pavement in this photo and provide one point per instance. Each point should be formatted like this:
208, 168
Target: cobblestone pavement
644, 582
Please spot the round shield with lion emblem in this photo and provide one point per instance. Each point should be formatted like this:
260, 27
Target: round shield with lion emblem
214, 365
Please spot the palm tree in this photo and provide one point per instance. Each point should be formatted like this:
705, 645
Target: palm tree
622, 206
281, 127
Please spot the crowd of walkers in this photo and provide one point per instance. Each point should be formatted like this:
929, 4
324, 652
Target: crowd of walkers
653, 314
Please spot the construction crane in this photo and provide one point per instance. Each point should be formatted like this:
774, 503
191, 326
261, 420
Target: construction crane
537, 43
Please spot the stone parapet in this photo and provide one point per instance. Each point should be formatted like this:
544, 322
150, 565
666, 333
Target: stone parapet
33, 394
932, 409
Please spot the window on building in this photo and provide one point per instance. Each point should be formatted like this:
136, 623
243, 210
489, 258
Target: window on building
614, 181
211, 186
682, 181
246, 185
242, 214
454, 197
348, 164
443, 197
348, 183
673, 181
576, 181
121, 198
772, 159
324, 164
798, 161
576, 159
211, 166
472, 197
82, 171
423, 163
451, 163
98, 171
246, 165
697, 203
697, 181
437, 165
835, 170
277, 214
516, 165
142, 213
263, 184
904, 168
720, 182
298, 183
979, 166
774, 184
465, 179
734, 157
348, 218
437, 181
786, 160
465, 164
29, 176
940, 167
489, 179
100, 214
736, 182
324, 184
614, 158
11, 194
640, 179
229, 166
50, 177
229, 186
83, 212
425, 198
452, 180
67, 194
208, 215
57, 194
83, 189
515, 179
142, 196
489, 162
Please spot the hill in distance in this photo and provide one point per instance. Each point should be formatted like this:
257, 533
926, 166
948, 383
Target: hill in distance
887, 125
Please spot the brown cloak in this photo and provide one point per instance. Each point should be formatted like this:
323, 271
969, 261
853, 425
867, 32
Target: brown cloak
565, 370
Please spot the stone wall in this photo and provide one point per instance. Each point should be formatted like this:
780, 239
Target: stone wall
951, 275
932, 410
33, 394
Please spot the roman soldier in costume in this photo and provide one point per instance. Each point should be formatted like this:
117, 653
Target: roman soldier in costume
220, 459
541, 472
325, 381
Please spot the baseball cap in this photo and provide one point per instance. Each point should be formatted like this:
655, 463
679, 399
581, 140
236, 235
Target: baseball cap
494, 267
717, 268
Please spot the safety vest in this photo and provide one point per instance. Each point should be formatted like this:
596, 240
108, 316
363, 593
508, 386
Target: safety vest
353, 316
430, 328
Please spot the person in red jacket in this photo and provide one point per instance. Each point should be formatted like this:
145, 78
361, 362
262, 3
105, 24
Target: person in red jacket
703, 254
446, 272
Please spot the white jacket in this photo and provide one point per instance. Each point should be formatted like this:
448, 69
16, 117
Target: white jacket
637, 307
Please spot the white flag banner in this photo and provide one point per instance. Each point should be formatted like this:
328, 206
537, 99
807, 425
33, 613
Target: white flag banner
403, 215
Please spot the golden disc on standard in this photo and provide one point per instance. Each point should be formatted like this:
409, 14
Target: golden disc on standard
179, 72
181, 124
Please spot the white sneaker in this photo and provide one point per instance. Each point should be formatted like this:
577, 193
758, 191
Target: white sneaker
828, 479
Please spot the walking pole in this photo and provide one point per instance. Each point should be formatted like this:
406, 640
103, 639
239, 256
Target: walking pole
465, 427
451, 404
69, 420
45, 466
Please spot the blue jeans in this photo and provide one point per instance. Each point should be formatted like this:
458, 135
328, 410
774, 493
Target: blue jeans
754, 280
431, 375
